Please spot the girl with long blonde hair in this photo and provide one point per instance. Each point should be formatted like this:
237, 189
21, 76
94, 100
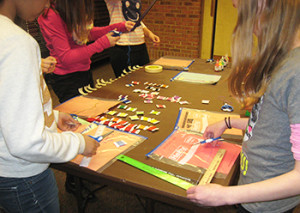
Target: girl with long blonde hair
265, 77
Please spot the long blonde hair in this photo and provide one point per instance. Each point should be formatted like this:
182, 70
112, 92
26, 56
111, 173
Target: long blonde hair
276, 22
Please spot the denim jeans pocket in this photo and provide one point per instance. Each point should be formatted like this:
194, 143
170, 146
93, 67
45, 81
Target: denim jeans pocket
9, 199
34, 194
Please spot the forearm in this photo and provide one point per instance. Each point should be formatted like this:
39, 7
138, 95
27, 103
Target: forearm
146, 31
81, 54
239, 123
29, 138
98, 32
283, 186
218, 128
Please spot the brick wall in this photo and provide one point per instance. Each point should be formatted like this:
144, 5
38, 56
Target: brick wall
177, 23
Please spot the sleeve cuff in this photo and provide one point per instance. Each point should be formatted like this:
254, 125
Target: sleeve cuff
82, 143
56, 115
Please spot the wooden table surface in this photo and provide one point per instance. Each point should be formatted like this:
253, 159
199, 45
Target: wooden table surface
126, 177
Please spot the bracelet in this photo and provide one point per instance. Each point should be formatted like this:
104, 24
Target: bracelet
228, 124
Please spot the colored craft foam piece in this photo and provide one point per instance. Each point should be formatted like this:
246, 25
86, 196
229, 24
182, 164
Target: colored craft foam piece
134, 117
116, 120
148, 101
161, 98
164, 86
126, 101
122, 107
111, 112
137, 90
123, 97
130, 127
153, 112
143, 127
184, 102
122, 122
154, 121
153, 128
91, 119
135, 82
160, 106
135, 131
131, 109
154, 93
140, 112
143, 118
105, 122
144, 91
205, 101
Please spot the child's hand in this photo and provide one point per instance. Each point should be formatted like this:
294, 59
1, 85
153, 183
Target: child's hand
208, 195
112, 39
91, 146
129, 25
48, 64
66, 122
154, 38
214, 130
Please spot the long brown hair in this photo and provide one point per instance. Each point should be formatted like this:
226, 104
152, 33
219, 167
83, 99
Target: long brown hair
77, 14
276, 24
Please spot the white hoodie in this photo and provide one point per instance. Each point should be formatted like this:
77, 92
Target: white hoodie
28, 137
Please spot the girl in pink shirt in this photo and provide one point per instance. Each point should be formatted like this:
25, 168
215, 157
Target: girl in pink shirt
67, 26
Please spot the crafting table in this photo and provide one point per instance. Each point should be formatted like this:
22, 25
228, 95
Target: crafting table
128, 178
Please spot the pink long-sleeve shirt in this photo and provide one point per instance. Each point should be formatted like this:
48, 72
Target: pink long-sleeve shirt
70, 56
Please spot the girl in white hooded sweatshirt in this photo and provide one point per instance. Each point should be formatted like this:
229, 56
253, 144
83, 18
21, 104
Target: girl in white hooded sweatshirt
29, 141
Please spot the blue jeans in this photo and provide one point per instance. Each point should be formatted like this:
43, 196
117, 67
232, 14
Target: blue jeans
33, 194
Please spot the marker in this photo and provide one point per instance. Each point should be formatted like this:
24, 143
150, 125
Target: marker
207, 140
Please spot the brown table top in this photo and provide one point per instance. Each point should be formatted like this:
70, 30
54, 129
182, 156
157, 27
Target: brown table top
131, 179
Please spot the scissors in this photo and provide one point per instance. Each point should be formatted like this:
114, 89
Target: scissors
115, 33
101, 137
227, 108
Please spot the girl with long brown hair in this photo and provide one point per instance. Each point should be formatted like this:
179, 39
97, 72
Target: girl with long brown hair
265, 77
67, 26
